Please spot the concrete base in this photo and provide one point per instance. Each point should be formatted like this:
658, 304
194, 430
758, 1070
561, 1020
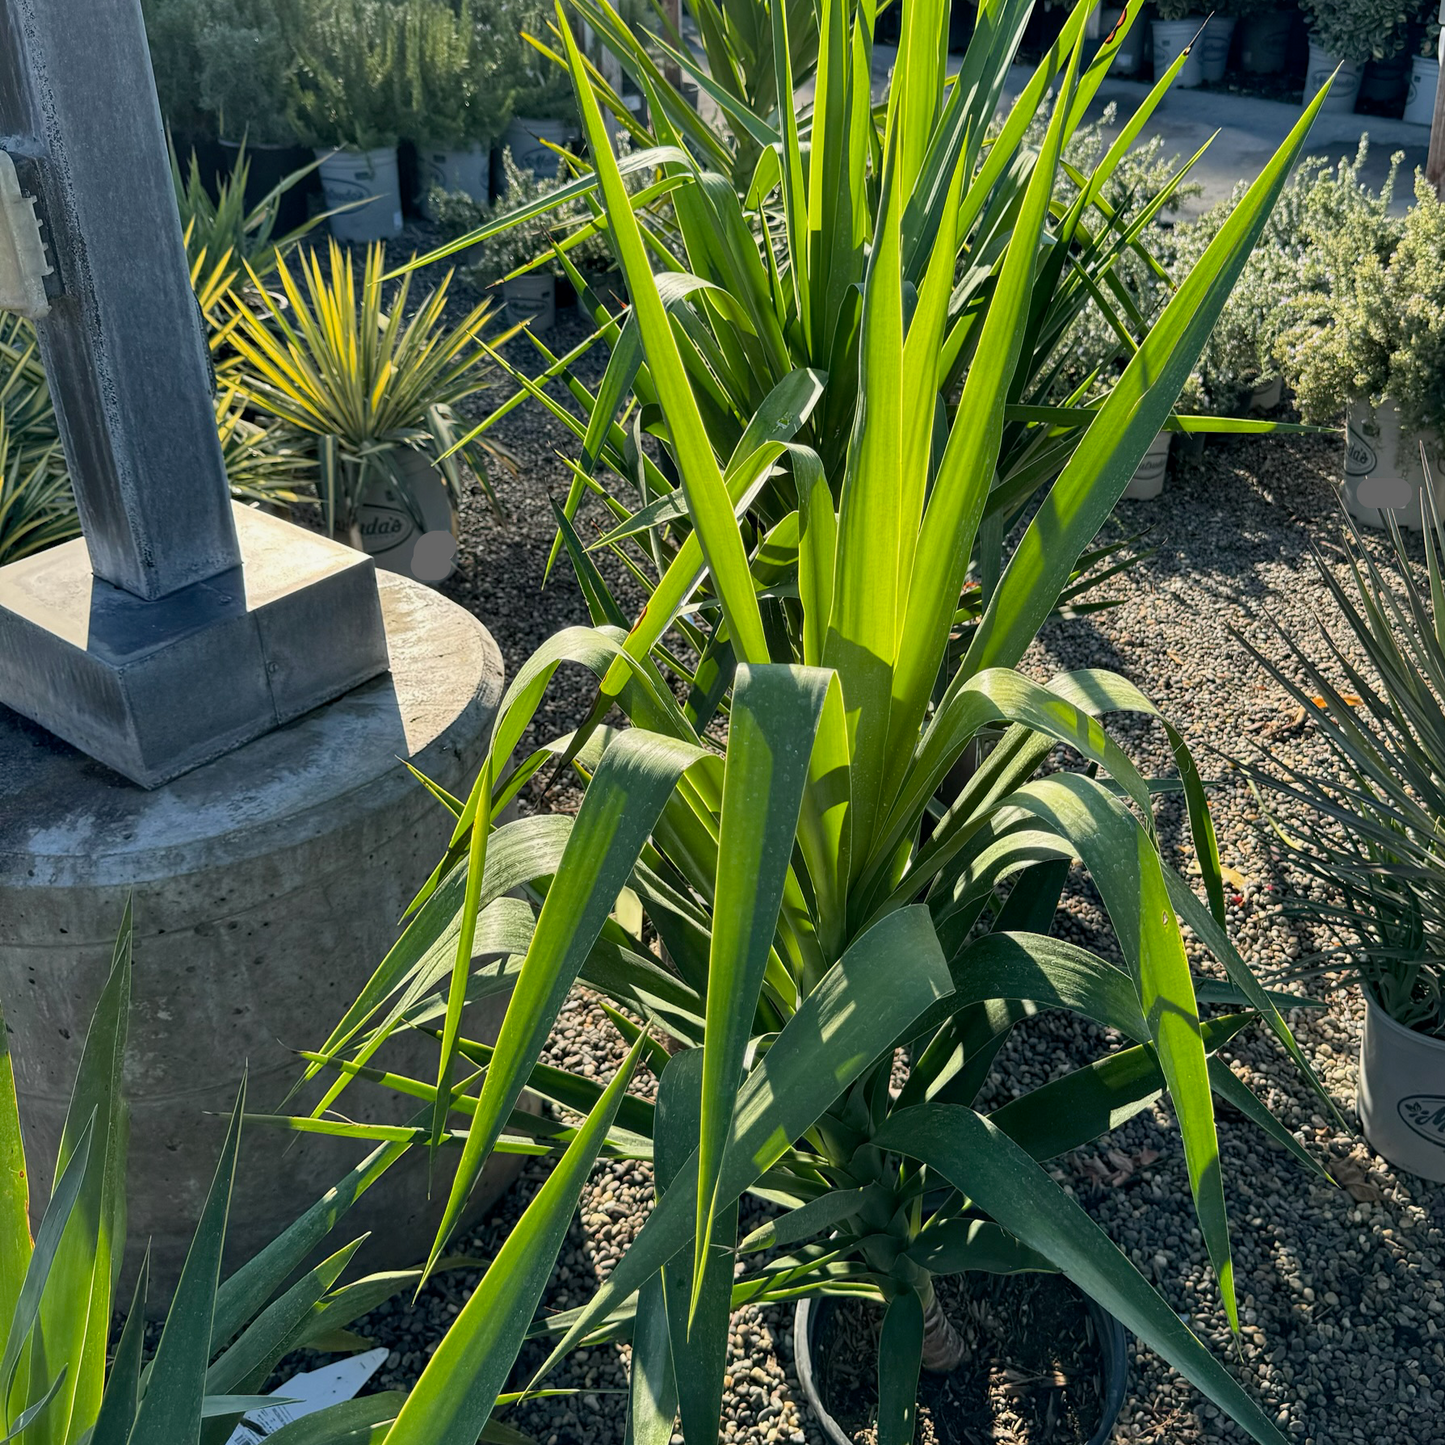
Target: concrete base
267, 886
156, 688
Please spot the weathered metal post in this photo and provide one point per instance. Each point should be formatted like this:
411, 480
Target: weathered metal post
183, 626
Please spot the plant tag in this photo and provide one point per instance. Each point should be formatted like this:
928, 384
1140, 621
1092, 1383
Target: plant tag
23, 267
307, 1393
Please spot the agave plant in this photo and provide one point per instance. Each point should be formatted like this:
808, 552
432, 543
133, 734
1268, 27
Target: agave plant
1370, 826
363, 376
810, 908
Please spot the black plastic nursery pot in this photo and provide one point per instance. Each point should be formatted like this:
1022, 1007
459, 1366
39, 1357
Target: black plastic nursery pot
811, 1326
270, 165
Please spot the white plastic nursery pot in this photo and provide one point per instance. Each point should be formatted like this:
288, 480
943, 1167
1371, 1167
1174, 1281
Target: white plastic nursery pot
1401, 1093
1214, 47
1129, 57
1382, 467
1148, 481
1267, 395
468, 171
1170, 37
414, 535
526, 138
532, 297
1264, 41
1346, 89
1424, 82
369, 176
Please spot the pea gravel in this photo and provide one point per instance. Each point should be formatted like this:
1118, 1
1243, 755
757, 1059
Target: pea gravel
1340, 1280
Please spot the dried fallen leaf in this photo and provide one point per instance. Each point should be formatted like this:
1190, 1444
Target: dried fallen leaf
1351, 1174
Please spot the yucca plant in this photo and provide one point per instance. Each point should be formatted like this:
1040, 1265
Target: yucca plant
788, 245
61, 1381
64, 1384
222, 229
37, 508
809, 907
363, 375
1370, 827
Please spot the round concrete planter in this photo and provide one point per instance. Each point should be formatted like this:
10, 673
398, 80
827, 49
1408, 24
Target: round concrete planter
1382, 467
266, 889
1170, 37
1345, 90
1424, 82
1214, 47
811, 1314
526, 138
367, 176
1148, 480
1401, 1093
532, 298
412, 534
468, 171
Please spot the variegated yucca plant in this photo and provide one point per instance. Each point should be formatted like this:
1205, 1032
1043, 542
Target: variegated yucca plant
814, 420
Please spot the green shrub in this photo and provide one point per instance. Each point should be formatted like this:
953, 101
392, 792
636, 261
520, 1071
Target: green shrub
1357, 30
345, 88
458, 73
246, 53
172, 27
1362, 317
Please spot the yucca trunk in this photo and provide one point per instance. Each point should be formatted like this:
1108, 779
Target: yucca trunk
942, 1344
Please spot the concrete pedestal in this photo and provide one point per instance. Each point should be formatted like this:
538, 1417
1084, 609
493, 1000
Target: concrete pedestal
267, 886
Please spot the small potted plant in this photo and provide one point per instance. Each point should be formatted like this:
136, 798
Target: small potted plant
344, 101
1344, 34
1425, 69
1368, 828
1362, 334
372, 387
1177, 24
456, 93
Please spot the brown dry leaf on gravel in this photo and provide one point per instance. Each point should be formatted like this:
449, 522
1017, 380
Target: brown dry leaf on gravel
1352, 1174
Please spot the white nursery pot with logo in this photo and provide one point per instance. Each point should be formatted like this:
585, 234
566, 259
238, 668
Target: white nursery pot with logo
413, 534
1214, 47
367, 181
1148, 480
1401, 1093
1345, 90
1382, 466
1170, 37
468, 171
1424, 81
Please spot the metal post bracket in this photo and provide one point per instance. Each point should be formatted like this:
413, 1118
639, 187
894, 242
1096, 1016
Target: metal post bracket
23, 262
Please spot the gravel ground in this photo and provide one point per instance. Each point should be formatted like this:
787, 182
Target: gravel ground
1341, 1289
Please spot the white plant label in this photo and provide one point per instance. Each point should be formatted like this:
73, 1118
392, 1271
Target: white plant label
307, 1393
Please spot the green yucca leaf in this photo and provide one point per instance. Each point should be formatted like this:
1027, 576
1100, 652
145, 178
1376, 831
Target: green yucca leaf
457, 1391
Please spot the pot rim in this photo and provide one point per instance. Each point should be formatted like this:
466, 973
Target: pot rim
1379, 1016
1113, 1343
